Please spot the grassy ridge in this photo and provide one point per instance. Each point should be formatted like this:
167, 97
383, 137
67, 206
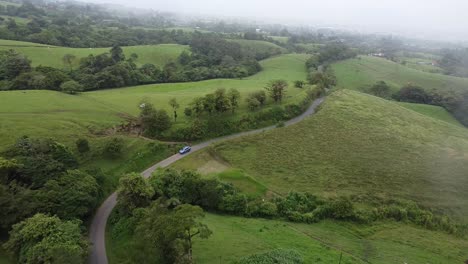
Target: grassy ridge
360, 145
433, 111
52, 56
361, 73
289, 67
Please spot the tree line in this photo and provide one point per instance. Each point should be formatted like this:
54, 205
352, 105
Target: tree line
210, 57
169, 190
456, 104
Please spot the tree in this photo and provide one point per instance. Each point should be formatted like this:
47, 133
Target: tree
113, 148
277, 89
82, 145
173, 103
184, 58
47, 239
12, 64
169, 233
234, 97
299, 84
381, 89
252, 103
69, 60
72, 195
413, 94
153, 121
260, 96
221, 101
71, 87
134, 192
117, 54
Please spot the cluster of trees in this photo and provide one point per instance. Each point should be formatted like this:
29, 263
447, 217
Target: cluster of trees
211, 57
106, 70
214, 103
164, 227
188, 187
455, 104
82, 26
455, 62
215, 125
39, 178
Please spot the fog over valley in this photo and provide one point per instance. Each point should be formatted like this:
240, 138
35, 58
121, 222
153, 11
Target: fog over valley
430, 19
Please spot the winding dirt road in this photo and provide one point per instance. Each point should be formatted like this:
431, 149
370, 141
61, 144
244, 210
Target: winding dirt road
98, 226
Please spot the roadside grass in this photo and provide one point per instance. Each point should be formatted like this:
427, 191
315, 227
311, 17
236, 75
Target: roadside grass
363, 146
433, 111
362, 72
47, 55
289, 67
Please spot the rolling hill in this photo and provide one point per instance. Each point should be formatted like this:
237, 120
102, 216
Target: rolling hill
357, 145
362, 72
52, 56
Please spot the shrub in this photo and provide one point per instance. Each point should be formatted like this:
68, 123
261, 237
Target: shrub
282, 256
299, 84
82, 145
113, 148
262, 209
71, 87
381, 89
234, 203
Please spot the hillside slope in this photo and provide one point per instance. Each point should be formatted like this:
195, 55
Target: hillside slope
52, 56
364, 71
358, 145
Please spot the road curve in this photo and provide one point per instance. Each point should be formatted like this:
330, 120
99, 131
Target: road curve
98, 226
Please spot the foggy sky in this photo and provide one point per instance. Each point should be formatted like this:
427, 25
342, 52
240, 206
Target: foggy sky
434, 19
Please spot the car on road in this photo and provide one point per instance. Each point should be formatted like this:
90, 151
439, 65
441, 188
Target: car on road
185, 149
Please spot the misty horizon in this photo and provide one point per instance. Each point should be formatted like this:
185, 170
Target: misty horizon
435, 20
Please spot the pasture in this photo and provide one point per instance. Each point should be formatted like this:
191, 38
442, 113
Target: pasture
358, 145
289, 67
52, 56
362, 72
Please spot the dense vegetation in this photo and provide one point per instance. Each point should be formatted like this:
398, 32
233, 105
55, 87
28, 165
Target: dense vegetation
41, 176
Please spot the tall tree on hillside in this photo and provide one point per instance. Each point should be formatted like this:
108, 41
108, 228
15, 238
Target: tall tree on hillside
277, 89
69, 60
134, 191
234, 97
173, 103
117, 54
168, 234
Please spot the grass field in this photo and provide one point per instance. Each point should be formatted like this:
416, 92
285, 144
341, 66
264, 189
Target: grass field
324, 242
52, 56
259, 46
433, 111
360, 145
289, 67
362, 72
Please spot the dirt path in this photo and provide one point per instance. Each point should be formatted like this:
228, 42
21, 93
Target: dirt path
97, 230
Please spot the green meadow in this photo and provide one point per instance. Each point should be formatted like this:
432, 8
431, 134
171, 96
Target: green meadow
362, 72
52, 56
357, 145
289, 67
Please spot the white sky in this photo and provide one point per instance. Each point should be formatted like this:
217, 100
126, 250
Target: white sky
437, 19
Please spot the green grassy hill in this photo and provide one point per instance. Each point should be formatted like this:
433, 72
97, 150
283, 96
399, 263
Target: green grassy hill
359, 145
362, 72
433, 111
52, 56
289, 67
259, 46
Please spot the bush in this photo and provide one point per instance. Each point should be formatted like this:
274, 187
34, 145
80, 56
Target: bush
71, 87
234, 203
82, 145
113, 148
260, 208
282, 256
